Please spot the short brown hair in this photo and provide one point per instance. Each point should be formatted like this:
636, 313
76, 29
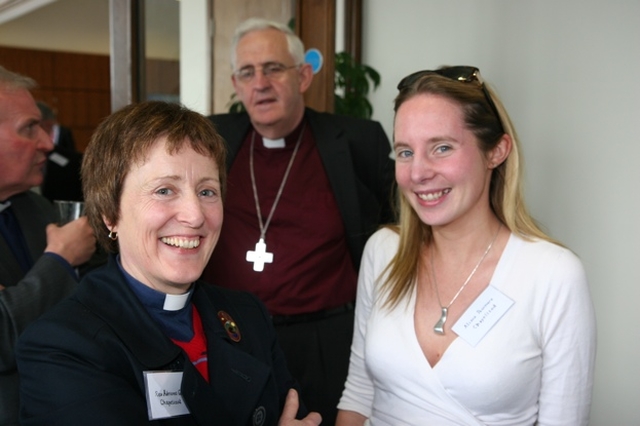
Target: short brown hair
124, 139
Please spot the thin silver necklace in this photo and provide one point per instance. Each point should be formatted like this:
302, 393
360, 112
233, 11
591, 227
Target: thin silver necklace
444, 310
260, 256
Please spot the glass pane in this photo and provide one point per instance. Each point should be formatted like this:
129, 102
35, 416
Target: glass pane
162, 45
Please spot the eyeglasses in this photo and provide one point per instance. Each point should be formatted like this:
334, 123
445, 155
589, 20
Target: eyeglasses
271, 71
462, 73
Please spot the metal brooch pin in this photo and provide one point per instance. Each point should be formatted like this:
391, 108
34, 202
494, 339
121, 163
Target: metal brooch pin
230, 326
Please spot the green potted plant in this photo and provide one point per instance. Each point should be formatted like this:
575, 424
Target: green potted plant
353, 82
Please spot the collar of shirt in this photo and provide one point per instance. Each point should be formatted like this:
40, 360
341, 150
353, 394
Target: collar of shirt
172, 313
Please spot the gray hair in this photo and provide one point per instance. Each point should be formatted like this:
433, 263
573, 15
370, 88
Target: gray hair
296, 48
12, 80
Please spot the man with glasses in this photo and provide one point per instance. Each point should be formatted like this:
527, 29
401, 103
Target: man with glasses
305, 191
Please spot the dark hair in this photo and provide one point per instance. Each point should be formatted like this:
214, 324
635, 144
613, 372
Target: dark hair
46, 111
124, 139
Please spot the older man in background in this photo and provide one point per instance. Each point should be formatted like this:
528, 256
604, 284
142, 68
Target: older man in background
37, 257
306, 190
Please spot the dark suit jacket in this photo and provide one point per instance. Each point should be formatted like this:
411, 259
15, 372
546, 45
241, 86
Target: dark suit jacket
62, 178
26, 296
83, 362
355, 155
65, 139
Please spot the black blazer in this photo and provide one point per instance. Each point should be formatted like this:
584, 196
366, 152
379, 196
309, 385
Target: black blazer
355, 155
83, 362
26, 297
62, 177
65, 139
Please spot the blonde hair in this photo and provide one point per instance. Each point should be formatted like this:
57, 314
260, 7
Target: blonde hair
506, 188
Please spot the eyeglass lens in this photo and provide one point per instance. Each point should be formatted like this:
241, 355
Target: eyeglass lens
270, 70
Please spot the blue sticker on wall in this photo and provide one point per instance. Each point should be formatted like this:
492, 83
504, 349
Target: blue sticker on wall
314, 58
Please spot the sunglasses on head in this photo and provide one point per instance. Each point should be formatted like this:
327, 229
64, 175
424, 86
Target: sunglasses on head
462, 73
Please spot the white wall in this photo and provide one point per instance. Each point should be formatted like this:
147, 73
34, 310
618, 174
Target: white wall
195, 58
569, 73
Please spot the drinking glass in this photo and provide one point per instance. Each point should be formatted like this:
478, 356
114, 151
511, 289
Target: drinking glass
68, 210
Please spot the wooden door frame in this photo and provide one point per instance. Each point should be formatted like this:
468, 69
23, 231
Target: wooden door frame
316, 26
126, 28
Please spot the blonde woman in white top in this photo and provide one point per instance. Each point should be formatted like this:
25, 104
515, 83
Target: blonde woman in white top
467, 312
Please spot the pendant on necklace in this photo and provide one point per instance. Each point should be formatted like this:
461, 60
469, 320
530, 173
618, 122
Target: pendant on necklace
259, 256
439, 327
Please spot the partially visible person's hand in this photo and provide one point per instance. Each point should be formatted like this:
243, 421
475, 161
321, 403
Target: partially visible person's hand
74, 241
1, 287
290, 410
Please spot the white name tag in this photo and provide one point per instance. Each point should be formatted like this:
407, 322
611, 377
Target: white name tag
482, 315
164, 398
60, 160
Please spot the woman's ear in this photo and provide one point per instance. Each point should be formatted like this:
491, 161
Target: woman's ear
111, 227
500, 152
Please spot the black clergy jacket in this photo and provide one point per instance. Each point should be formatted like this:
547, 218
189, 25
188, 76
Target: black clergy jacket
355, 154
83, 362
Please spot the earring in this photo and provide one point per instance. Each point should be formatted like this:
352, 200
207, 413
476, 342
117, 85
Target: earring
113, 235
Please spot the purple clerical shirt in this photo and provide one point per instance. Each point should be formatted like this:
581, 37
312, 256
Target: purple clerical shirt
312, 269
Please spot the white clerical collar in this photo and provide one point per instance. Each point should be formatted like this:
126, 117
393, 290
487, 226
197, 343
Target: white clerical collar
152, 298
273, 143
55, 134
175, 302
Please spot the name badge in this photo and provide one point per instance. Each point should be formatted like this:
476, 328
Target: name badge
60, 160
164, 397
482, 315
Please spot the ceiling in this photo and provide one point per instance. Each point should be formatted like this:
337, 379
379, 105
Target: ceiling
83, 26
10, 9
